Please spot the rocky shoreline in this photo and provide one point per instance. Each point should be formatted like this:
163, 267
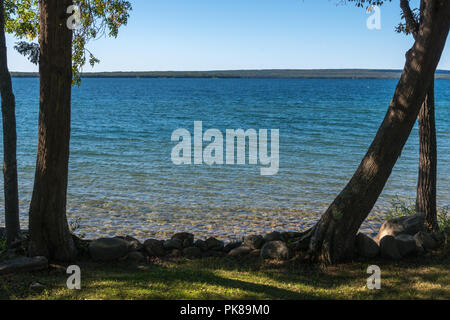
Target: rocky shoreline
396, 239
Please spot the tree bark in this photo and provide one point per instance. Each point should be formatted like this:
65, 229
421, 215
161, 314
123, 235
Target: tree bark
9, 141
334, 235
49, 231
426, 183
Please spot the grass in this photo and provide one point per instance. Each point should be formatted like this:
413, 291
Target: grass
427, 277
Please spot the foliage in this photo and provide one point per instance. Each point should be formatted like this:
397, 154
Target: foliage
98, 18
401, 208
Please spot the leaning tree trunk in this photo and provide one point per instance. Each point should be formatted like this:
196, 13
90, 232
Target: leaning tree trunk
426, 183
49, 231
334, 235
9, 141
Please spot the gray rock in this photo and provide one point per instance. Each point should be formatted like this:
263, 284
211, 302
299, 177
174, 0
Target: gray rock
286, 236
273, 236
425, 240
173, 244
232, 245
214, 244
403, 225
389, 249
135, 256
240, 251
201, 244
108, 249
154, 248
186, 239
366, 246
406, 244
23, 264
255, 253
192, 252
134, 244
439, 237
254, 241
275, 250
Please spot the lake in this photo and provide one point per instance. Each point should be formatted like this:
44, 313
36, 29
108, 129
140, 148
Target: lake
122, 179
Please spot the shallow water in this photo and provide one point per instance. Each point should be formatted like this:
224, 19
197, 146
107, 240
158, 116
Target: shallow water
122, 179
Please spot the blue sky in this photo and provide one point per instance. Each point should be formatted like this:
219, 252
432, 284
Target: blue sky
248, 34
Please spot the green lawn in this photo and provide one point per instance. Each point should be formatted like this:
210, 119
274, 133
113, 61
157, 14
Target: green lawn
224, 278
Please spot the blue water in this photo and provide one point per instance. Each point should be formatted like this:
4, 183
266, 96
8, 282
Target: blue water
122, 179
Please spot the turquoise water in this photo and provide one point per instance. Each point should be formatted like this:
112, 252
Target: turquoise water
122, 179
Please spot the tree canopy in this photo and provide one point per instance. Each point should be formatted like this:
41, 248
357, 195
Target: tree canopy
98, 18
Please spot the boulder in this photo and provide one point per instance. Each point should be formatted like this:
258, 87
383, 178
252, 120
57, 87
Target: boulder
135, 256
173, 244
240, 251
366, 246
134, 244
275, 250
273, 236
201, 244
192, 252
403, 225
255, 253
232, 245
154, 248
288, 235
406, 245
23, 264
214, 244
108, 249
425, 240
254, 241
186, 239
389, 249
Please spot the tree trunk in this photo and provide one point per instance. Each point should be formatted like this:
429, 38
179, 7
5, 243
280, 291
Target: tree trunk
49, 231
9, 141
426, 184
334, 235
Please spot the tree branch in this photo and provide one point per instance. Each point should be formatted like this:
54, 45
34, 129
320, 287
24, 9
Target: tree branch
411, 23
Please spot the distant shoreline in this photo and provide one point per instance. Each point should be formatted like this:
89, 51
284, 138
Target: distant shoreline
252, 74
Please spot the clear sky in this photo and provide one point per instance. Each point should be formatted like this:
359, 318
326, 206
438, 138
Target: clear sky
248, 34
